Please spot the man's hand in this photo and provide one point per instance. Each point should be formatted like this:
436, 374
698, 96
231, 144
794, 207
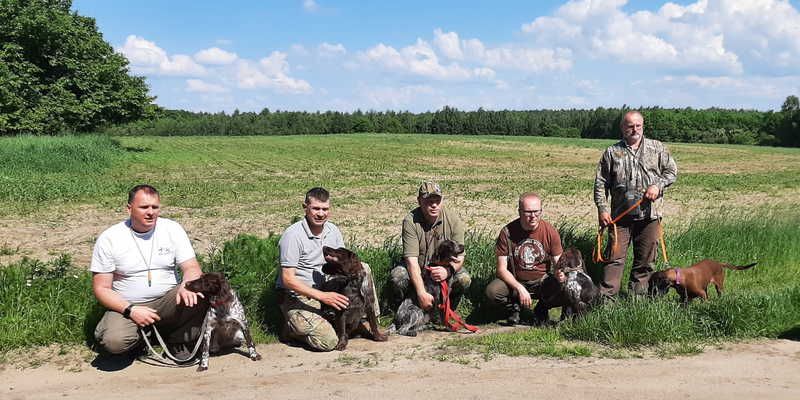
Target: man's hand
560, 276
335, 300
524, 296
652, 192
187, 296
604, 219
439, 274
425, 300
144, 316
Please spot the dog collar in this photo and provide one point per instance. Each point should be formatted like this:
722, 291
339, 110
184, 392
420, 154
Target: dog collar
677, 276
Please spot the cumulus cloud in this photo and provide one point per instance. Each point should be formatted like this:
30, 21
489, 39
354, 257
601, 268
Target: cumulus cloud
458, 59
310, 5
199, 86
215, 56
146, 57
331, 50
270, 72
712, 36
403, 97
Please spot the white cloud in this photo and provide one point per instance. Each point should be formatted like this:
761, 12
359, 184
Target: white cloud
403, 97
448, 44
417, 59
215, 56
145, 56
310, 5
199, 86
271, 73
331, 50
713, 36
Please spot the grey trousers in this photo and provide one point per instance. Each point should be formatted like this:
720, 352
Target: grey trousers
179, 325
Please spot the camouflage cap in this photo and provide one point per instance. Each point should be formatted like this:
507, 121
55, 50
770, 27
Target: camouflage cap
428, 189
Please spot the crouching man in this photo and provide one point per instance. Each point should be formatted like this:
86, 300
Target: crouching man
134, 276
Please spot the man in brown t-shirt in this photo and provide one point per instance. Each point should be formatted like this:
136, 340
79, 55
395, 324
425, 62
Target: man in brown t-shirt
524, 248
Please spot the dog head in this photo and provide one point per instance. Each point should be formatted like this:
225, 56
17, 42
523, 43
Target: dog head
446, 252
211, 285
341, 262
571, 260
659, 284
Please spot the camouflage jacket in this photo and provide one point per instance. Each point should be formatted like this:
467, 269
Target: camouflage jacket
625, 174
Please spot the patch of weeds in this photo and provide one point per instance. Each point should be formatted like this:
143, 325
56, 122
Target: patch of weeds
371, 360
670, 350
6, 250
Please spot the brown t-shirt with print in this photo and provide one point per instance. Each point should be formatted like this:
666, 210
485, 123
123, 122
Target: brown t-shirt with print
529, 250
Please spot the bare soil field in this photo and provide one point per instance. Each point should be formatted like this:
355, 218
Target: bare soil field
417, 368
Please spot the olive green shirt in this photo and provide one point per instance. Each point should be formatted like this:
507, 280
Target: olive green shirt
421, 239
625, 174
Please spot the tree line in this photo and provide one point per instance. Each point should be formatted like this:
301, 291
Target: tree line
58, 75
689, 125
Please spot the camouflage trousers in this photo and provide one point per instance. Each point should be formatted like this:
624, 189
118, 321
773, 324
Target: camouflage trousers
304, 321
400, 284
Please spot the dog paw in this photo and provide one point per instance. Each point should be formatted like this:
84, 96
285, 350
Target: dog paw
381, 337
255, 357
202, 369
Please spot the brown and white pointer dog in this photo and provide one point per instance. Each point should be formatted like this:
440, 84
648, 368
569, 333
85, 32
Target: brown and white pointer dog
347, 276
692, 282
576, 295
225, 322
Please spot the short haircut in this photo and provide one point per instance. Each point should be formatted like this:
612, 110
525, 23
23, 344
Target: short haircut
631, 112
318, 193
526, 195
145, 188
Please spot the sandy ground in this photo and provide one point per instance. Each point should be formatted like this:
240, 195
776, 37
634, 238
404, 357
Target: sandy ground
411, 368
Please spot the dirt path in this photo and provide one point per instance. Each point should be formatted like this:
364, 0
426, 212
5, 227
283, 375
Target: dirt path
407, 368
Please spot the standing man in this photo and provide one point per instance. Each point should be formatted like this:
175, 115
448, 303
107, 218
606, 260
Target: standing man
524, 249
423, 229
301, 275
134, 276
632, 169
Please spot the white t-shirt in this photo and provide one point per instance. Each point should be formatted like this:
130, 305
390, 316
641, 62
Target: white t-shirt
126, 253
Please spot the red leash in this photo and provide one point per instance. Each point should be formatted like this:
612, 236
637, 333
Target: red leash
452, 320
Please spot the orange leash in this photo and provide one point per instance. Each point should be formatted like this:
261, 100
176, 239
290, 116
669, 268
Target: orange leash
597, 254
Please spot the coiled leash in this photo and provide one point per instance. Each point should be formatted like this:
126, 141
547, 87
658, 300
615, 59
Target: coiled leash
175, 361
452, 320
597, 254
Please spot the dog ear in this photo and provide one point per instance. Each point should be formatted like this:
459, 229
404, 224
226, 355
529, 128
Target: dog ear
225, 293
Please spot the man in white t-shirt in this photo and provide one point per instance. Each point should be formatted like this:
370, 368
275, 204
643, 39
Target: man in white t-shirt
134, 276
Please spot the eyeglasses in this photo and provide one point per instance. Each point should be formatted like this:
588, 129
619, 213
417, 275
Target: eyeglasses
531, 212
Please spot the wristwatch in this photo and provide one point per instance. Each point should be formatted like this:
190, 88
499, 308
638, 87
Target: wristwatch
127, 312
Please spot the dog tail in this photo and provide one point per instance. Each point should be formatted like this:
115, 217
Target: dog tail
739, 267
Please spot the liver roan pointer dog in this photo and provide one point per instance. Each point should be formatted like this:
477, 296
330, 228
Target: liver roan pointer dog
348, 277
692, 281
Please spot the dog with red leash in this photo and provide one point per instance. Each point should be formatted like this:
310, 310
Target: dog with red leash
692, 282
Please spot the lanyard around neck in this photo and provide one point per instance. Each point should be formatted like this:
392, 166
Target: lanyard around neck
147, 262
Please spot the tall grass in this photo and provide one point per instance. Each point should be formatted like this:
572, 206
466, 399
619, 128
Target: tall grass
36, 170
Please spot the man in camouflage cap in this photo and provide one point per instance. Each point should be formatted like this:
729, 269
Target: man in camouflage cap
632, 169
423, 229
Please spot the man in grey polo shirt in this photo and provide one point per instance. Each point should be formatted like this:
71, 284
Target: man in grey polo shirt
301, 274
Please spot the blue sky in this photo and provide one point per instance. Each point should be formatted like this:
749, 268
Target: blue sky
422, 55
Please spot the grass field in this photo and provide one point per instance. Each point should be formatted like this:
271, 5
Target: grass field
734, 203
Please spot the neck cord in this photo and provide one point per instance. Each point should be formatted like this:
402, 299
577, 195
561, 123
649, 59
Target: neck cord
147, 262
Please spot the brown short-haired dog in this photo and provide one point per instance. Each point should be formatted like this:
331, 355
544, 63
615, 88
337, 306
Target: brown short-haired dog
348, 277
693, 281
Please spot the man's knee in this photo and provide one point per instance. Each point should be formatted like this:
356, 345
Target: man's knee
461, 281
497, 292
399, 277
312, 329
115, 334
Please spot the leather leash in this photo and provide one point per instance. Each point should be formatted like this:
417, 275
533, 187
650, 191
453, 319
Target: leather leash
597, 254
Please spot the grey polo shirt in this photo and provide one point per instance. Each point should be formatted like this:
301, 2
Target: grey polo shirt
301, 250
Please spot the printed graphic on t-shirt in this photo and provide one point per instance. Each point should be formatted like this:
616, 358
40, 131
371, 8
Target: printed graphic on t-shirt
529, 253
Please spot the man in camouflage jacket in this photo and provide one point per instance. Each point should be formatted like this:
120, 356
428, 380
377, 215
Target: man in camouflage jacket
632, 168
